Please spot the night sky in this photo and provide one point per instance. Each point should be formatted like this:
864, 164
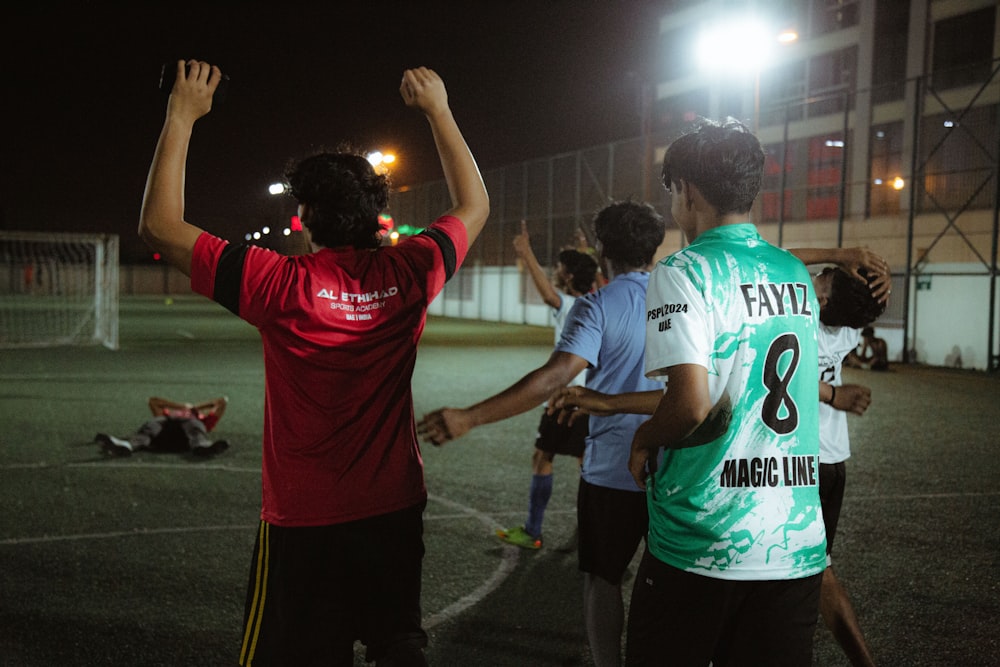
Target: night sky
82, 110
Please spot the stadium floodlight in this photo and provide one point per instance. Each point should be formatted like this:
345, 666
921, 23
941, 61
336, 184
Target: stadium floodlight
58, 289
741, 46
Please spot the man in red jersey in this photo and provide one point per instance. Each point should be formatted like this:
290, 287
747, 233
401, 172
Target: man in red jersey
339, 550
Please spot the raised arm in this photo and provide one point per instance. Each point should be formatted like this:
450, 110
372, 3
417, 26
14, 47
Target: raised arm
522, 246
852, 260
216, 406
157, 405
423, 89
161, 221
530, 391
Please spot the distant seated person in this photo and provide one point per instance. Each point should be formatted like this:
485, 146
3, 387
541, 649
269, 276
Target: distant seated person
175, 427
872, 353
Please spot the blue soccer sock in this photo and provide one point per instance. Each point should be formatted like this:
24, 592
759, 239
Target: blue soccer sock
538, 500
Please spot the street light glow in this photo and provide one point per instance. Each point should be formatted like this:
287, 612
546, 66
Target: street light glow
744, 45
381, 161
787, 36
739, 47
276, 188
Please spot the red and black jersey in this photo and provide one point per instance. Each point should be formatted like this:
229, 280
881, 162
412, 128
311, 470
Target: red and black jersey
339, 329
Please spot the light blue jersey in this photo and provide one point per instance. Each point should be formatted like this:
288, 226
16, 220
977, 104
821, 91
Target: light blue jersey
607, 329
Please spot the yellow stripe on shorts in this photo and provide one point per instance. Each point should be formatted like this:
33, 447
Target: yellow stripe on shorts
256, 614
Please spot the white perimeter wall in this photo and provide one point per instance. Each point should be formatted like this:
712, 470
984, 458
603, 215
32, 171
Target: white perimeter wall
949, 314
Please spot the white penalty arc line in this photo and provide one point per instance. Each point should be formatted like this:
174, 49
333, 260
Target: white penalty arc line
510, 555
508, 561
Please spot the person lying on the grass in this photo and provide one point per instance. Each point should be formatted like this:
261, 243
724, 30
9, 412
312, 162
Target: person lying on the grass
175, 427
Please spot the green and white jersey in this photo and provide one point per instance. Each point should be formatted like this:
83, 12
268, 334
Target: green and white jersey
742, 502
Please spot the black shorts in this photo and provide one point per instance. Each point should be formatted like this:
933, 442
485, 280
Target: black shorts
832, 479
556, 438
682, 618
313, 591
612, 523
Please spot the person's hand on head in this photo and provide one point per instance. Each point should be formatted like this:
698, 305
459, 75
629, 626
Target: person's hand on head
877, 269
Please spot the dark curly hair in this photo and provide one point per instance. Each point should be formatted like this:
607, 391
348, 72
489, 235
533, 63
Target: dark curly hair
345, 195
724, 161
629, 233
582, 267
850, 303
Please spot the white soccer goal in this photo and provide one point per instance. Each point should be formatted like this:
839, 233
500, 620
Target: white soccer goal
58, 289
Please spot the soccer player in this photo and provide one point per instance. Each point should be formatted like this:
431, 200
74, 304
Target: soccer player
604, 334
846, 306
340, 543
847, 299
175, 427
736, 546
575, 275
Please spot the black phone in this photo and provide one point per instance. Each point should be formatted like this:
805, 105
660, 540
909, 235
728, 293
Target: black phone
168, 73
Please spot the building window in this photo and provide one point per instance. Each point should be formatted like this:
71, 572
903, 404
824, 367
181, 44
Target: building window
892, 25
831, 77
824, 175
886, 151
781, 87
775, 190
957, 158
963, 48
830, 15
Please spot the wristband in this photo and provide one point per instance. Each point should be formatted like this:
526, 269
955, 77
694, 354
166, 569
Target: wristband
833, 395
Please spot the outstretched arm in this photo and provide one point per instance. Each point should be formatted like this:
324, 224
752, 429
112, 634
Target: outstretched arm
161, 221
573, 402
447, 424
522, 246
423, 89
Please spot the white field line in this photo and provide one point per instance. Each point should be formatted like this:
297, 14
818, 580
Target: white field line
508, 560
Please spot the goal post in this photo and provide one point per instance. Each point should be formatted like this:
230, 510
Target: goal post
58, 289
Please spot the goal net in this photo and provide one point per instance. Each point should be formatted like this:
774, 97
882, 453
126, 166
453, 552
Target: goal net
58, 289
